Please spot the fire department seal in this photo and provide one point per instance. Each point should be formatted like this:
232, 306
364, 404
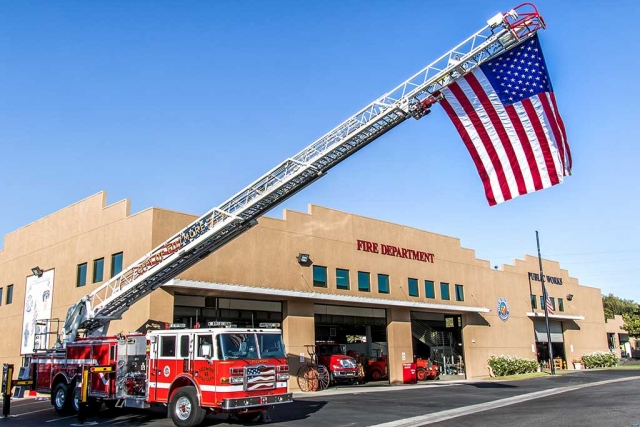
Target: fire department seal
503, 309
166, 371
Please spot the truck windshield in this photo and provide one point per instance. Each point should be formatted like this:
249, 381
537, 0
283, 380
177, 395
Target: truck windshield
328, 350
243, 346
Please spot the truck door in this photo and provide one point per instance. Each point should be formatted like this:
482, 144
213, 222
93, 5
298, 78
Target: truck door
152, 369
185, 352
204, 367
169, 365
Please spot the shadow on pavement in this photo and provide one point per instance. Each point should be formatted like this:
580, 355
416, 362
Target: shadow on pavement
489, 385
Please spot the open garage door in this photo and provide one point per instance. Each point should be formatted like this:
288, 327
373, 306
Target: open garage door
360, 331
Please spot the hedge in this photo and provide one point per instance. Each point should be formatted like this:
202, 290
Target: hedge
511, 365
599, 359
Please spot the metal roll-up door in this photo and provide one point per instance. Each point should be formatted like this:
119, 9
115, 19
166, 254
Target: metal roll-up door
555, 329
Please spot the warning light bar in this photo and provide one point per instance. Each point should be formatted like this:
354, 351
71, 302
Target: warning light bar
221, 324
269, 325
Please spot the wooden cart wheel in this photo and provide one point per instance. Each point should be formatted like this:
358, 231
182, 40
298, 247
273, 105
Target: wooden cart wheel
323, 377
308, 378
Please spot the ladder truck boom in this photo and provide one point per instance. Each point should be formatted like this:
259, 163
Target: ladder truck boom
412, 98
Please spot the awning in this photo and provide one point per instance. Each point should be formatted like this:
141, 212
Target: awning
538, 314
322, 296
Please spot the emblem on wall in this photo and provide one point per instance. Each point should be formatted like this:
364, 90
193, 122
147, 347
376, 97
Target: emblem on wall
503, 309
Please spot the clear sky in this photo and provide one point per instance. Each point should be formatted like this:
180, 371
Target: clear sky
182, 104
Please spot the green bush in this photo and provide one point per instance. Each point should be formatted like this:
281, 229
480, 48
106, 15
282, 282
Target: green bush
599, 359
511, 365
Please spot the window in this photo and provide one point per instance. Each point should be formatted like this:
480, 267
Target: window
319, 276
81, 277
541, 302
383, 283
342, 278
560, 304
203, 341
168, 346
429, 289
9, 294
184, 345
116, 263
1, 289
459, 293
413, 287
98, 270
534, 302
553, 303
444, 291
364, 281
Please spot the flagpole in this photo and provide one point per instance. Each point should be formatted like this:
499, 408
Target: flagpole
546, 310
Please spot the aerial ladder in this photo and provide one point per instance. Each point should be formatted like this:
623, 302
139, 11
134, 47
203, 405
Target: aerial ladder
413, 98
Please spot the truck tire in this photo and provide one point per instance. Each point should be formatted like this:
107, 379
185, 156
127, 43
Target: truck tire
376, 375
61, 399
421, 374
185, 409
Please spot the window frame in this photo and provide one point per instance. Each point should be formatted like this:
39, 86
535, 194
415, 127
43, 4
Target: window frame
534, 301
461, 296
1, 295
81, 275
9, 296
113, 258
388, 290
348, 277
560, 304
94, 277
426, 289
443, 294
413, 281
161, 345
368, 276
542, 303
313, 272
553, 303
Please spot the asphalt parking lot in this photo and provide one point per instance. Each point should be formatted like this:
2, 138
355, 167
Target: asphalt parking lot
610, 399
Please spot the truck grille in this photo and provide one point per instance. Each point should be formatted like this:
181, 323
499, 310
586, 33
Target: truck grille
259, 377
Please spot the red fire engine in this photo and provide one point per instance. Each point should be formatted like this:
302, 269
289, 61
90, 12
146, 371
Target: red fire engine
222, 369
219, 369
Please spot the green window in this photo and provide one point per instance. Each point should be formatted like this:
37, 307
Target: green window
383, 283
116, 264
98, 270
560, 304
444, 291
429, 289
342, 278
364, 281
9, 294
81, 277
542, 302
534, 302
319, 276
459, 293
413, 287
1, 289
553, 303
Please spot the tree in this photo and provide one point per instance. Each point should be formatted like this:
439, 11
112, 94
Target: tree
614, 305
631, 324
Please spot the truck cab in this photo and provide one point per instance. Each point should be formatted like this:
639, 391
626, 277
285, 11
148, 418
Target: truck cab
342, 368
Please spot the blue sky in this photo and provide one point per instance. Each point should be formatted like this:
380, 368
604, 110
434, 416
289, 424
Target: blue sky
181, 104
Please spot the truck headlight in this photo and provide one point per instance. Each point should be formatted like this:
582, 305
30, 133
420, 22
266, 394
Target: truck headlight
283, 377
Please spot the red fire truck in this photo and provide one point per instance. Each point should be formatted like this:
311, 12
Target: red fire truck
231, 369
242, 371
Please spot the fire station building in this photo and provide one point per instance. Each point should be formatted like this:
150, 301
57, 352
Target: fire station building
381, 289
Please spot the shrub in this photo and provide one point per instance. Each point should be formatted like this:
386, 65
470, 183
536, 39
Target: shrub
599, 359
511, 365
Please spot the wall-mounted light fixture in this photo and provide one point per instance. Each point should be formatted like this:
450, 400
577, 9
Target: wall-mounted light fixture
569, 297
303, 258
37, 271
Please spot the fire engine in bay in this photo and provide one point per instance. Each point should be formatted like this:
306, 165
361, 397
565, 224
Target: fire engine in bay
220, 368
225, 369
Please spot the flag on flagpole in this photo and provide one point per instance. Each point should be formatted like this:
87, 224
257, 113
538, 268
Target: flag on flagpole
507, 115
549, 305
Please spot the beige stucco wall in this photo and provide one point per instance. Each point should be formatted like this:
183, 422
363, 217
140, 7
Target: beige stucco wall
265, 256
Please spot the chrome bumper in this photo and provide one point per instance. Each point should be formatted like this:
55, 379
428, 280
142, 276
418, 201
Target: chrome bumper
250, 402
345, 374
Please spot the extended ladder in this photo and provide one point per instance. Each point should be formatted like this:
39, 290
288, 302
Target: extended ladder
413, 98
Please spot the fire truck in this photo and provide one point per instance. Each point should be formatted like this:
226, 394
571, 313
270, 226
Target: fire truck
222, 369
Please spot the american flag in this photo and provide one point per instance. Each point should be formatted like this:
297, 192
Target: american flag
506, 113
261, 378
549, 305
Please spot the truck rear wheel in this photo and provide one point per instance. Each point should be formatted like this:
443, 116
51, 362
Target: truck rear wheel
421, 374
185, 409
60, 399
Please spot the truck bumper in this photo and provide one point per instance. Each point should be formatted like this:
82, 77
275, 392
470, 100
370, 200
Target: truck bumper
345, 374
253, 401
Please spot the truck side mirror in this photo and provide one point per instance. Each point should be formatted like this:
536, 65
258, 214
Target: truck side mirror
206, 350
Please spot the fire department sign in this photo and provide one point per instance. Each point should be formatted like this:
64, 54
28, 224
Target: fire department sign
503, 309
166, 371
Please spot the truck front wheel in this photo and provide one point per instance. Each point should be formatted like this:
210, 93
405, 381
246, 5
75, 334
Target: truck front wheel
61, 399
185, 409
